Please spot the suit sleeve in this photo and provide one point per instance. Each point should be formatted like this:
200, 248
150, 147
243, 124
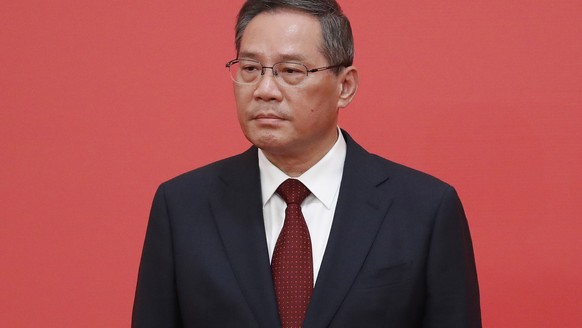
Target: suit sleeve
156, 303
453, 291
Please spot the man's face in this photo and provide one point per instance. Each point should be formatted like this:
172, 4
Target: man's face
292, 122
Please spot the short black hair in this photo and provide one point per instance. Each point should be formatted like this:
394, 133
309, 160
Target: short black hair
338, 41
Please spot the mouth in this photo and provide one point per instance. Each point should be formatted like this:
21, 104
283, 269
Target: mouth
268, 118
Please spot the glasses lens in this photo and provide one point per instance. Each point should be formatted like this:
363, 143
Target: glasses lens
290, 73
245, 71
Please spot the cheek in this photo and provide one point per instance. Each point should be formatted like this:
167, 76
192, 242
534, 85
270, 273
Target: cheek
242, 95
242, 103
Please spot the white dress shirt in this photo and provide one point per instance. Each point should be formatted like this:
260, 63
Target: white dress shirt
323, 180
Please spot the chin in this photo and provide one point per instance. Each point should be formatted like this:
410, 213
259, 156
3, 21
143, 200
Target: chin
269, 144
265, 143
260, 139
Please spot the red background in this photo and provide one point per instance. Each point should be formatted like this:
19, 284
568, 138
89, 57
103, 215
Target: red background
100, 101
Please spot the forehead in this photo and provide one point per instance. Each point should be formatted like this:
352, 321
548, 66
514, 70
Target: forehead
282, 35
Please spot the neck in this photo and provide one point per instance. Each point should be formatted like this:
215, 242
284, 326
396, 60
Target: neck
292, 166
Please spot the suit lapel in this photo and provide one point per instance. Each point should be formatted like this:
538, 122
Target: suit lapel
239, 218
361, 208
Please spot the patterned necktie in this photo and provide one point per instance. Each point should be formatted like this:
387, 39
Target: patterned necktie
292, 265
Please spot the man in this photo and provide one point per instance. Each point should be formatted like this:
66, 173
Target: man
369, 243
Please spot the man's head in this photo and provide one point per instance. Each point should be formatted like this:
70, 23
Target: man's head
337, 44
290, 113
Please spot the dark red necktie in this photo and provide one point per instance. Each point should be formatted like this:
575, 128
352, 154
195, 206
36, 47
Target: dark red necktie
292, 265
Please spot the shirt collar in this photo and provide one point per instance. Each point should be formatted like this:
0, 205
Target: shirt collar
323, 179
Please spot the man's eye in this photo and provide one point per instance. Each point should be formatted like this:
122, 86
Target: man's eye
289, 70
250, 68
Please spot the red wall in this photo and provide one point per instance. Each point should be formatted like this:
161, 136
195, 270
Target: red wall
100, 101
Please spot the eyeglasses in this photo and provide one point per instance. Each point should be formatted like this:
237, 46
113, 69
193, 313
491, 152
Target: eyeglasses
248, 71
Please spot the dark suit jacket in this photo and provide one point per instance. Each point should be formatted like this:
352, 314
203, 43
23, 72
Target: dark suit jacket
399, 253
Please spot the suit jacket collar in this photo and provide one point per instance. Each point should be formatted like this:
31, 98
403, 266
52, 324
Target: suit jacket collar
363, 202
362, 205
239, 218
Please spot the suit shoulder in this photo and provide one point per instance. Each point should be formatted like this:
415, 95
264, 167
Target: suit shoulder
366, 164
415, 189
406, 176
203, 177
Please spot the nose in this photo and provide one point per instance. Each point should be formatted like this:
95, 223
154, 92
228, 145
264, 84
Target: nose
267, 89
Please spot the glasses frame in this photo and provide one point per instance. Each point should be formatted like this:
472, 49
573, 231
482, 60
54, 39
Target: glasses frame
263, 68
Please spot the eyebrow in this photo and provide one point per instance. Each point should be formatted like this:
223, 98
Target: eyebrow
282, 57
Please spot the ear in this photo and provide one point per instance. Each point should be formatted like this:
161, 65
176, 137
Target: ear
348, 86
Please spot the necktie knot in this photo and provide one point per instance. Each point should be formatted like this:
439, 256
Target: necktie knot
293, 191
